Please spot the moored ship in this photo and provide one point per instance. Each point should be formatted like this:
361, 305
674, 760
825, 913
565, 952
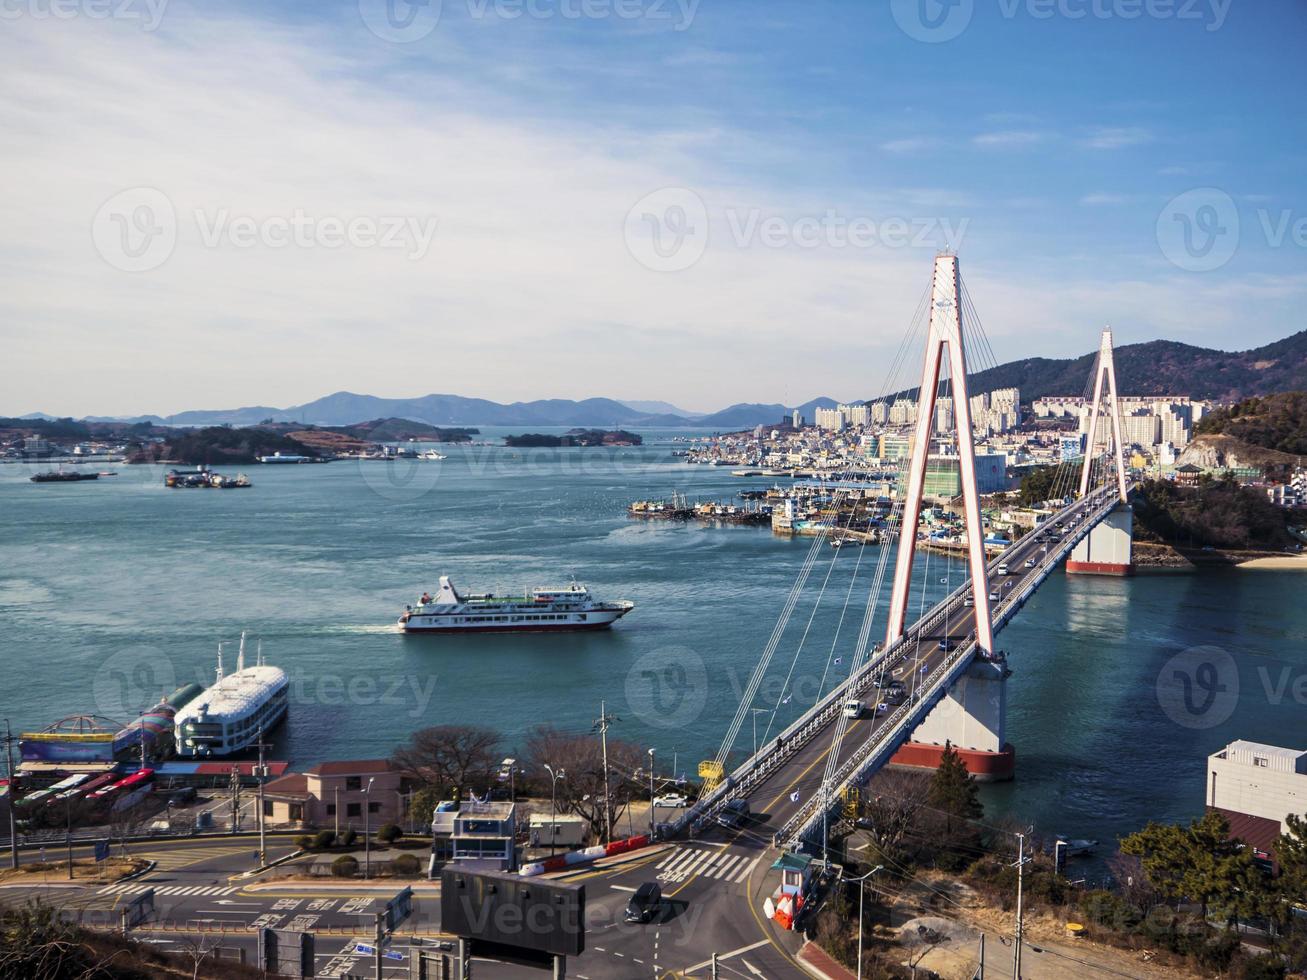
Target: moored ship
540, 610
228, 717
63, 476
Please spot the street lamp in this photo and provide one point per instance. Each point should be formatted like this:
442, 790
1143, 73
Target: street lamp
367, 829
651, 794
554, 777
756, 712
862, 891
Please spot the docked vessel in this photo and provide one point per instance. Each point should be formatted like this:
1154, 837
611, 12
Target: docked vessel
228, 717
540, 610
61, 476
204, 477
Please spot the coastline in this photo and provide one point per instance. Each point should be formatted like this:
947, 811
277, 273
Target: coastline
1279, 562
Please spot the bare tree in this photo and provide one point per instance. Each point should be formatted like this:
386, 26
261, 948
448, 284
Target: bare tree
891, 805
581, 790
450, 758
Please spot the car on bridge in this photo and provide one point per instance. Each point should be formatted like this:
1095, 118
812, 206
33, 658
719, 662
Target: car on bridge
1030, 563
948, 643
853, 708
734, 814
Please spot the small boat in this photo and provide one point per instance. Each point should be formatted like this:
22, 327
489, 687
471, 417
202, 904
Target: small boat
1077, 847
432, 454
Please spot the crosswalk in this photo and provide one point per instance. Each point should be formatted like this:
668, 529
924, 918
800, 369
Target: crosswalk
185, 857
726, 865
135, 888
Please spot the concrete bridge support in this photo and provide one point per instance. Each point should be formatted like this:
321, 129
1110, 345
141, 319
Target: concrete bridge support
972, 718
1108, 548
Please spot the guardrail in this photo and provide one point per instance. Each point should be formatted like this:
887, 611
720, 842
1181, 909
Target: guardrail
899, 723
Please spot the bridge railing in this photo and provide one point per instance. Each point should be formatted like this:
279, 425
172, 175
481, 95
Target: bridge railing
899, 723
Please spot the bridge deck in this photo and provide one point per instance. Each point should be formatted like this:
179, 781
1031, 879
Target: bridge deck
791, 788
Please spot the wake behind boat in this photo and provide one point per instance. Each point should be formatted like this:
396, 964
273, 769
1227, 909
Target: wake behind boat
541, 610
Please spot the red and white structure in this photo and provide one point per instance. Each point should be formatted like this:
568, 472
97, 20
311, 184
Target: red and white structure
1108, 550
972, 718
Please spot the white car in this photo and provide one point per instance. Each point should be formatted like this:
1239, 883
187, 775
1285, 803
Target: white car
853, 709
672, 801
1030, 563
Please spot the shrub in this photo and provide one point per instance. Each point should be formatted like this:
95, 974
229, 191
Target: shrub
304, 842
389, 833
406, 865
323, 839
345, 866
348, 837
1266, 966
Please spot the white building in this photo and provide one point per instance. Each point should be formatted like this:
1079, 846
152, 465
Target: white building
1255, 787
830, 418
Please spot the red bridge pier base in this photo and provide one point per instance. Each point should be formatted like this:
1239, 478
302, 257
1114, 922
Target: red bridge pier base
986, 767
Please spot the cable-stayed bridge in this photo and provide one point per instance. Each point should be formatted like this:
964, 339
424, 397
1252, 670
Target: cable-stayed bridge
939, 679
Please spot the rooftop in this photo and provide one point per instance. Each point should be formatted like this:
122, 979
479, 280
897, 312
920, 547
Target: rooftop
350, 767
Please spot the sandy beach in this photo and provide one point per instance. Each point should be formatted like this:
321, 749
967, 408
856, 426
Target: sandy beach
1278, 562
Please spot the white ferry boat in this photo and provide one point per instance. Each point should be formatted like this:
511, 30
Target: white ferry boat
227, 718
541, 610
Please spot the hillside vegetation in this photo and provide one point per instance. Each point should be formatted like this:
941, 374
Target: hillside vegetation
218, 444
1215, 514
1163, 367
1276, 422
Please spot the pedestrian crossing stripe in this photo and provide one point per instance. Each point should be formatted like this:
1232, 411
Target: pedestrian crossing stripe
722, 865
135, 888
185, 857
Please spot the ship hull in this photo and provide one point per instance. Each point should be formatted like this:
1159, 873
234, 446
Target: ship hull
433, 624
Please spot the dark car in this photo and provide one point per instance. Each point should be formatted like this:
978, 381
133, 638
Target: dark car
645, 903
180, 797
734, 813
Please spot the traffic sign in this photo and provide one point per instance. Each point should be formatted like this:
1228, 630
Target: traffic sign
102, 850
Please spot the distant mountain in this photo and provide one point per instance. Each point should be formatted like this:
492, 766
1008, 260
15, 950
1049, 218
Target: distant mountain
348, 408
658, 408
746, 415
1163, 367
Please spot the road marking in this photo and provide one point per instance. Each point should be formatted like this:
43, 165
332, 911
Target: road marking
723, 868
621, 888
752, 969
743, 875
727, 956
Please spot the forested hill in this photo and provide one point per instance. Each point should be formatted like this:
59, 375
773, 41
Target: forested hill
1163, 367
1277, 422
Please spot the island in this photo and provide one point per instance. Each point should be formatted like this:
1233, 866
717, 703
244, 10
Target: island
575, 437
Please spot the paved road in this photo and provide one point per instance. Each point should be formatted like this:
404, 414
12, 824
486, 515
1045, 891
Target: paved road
783, 793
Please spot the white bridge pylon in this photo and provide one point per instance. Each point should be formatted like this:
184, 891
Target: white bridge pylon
945, 331
1105, 369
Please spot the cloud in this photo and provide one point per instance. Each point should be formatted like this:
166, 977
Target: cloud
1008, 138
1103, 200
909, 145
1116, 138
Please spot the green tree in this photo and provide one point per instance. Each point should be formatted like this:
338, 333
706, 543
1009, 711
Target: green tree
1291, 853
953, 790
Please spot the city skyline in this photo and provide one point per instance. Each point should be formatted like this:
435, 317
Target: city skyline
344, 208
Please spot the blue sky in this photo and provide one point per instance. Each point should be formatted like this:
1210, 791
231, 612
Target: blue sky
629, 198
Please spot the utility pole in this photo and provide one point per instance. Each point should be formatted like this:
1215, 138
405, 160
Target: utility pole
68, 836
1021, 868
12, 799
601, 725
337, 791
980, 970
235, 799
262, 772
651, 794
713, 975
